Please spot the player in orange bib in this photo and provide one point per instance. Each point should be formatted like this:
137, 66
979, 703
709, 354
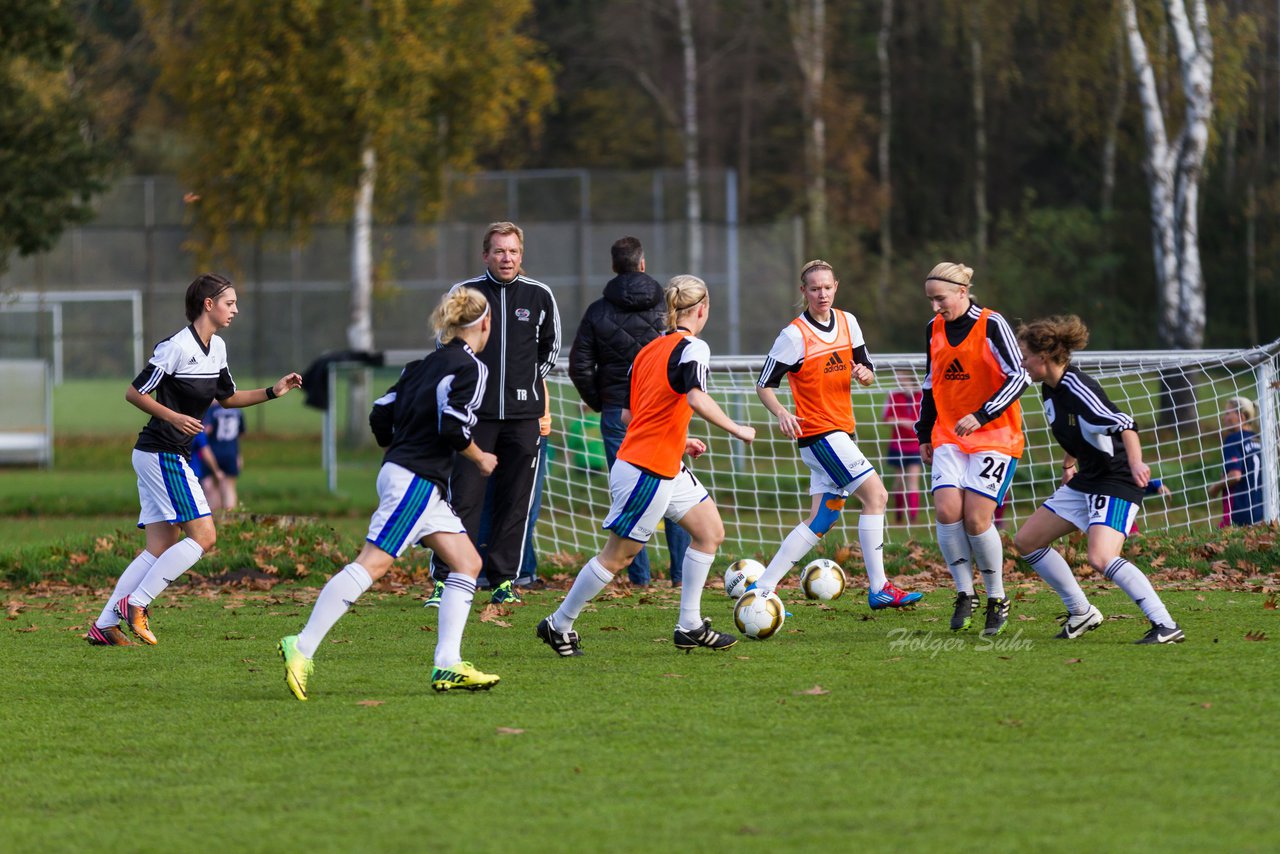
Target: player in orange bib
970, 433
821, 352
649, 481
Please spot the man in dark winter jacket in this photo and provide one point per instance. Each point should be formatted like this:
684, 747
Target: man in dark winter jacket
632, 313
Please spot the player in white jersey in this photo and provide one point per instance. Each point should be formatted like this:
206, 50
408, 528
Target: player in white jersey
187, 372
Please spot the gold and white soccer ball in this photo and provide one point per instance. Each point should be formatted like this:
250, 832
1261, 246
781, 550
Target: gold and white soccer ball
741, 573
759, 616
823, 579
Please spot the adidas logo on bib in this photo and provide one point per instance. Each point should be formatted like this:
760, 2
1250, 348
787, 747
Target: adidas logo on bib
955, 371
835, 363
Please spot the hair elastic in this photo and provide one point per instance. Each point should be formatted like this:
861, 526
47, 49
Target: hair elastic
948, 281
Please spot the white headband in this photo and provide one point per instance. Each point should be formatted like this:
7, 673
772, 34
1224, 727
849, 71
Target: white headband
482, 316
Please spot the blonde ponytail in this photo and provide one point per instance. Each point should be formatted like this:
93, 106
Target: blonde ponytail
459, 308
684, 292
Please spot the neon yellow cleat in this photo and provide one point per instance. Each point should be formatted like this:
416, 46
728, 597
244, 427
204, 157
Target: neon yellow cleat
462, 675
297, 667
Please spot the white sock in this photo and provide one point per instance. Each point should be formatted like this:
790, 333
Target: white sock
126, 584
871, 538
339, 594
954, 545
455, 605
168, 568
798, 543
988, 554
591, 579
1131, 580
1053, 568
696, 567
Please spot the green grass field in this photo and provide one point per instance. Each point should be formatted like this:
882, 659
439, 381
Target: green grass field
849, 731
846, 732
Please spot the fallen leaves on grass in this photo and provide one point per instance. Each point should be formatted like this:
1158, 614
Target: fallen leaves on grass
611, 628
29, 629
426, 628
1270, 602
493, 614
508, 730
1249, 636
13, 608
674, 675
815, 691
1074, 660
369, 703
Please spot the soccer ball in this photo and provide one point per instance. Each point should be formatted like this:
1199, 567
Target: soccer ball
741, 573
759, 616
823, 579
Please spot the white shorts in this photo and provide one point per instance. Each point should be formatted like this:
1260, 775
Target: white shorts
835, 465
1085, 509
167, 489
988, 473
409, 508
640, 499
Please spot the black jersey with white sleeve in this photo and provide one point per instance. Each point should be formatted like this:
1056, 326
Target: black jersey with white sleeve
1088, 426
186, 376
428, 414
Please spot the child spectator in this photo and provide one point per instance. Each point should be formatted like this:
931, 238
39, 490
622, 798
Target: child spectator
225, 427
1242, 461
901, 412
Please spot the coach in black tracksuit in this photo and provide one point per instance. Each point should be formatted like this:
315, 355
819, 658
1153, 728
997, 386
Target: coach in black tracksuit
522, 350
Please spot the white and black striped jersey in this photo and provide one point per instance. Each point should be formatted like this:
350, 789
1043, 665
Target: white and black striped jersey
787, 353
428, 414
1003, 345
1088, 426
185, 376
524, 342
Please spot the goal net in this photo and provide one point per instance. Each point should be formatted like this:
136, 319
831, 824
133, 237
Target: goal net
1176, 398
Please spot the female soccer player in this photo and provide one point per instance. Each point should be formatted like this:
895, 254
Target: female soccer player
186, 373
970, 433
422, 421
1242, 462
649, 481
822, 352
1102, 482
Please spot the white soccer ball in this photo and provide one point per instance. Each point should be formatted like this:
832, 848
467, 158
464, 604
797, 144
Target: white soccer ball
741, 573
759, 616
823, 579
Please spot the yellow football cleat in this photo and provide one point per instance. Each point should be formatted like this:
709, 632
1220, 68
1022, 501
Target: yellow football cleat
297, 667
462, 675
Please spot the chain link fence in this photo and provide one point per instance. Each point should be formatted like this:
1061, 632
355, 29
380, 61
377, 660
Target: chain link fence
295, 299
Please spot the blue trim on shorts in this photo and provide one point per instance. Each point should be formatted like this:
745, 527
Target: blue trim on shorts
392, 536
637, 502
1008, 481
1117, 515
175, 484
830, 462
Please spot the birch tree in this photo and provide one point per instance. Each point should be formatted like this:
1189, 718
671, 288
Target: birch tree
809, 41
692, 172
1174, 167
886, 184
303, 112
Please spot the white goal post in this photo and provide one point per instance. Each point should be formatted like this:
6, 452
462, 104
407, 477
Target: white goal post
53, 303
762, 490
